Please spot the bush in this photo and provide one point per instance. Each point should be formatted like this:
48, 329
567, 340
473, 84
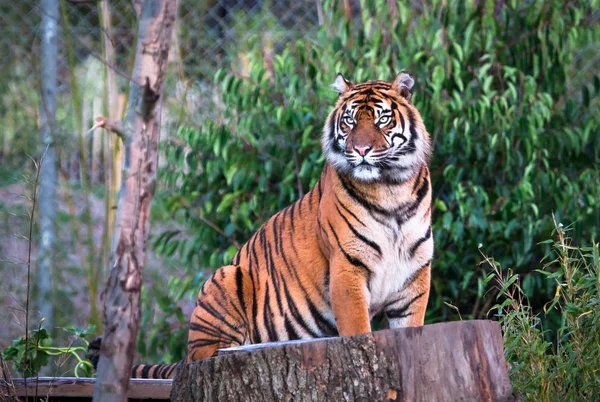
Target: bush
505, 91
566, 368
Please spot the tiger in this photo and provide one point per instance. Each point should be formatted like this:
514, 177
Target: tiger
357, 245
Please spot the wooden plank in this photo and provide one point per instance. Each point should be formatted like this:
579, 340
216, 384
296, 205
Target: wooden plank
139, 388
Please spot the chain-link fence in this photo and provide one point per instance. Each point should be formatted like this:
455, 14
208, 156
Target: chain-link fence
96, 40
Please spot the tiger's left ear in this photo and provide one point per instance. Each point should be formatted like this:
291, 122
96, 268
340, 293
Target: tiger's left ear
404, 83
341, 85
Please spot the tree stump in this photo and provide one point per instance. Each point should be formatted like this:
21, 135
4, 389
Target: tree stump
455, 361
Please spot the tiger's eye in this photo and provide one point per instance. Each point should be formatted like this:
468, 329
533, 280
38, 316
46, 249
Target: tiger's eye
384, 120
349, 120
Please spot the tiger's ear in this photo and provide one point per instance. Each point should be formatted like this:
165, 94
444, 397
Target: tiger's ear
404, 83
341, 84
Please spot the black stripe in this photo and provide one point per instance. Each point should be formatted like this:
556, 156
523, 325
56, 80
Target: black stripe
423, 239
275, 234
352, 260
256, 332
216, 314
289, 328
267, 316
392, 314
292, 216
170, 370
415, 274
285, 259
207, 329
145, 371
325, 326
296, 314
412, 209
212, 330
368, 242
374, 84
263, 244
254, 258
210, 309
156, 370
362, 201
320, 189
413, 130
332, 124
422, 190
402, 122
418, 179
403, 311
276, 281
239, 284
348, 210
202, 342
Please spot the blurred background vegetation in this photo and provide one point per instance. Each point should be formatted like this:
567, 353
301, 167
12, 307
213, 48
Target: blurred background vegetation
509, 90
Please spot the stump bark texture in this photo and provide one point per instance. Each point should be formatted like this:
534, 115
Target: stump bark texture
458, 361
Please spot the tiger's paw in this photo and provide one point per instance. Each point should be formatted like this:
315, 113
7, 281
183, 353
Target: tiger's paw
93, 352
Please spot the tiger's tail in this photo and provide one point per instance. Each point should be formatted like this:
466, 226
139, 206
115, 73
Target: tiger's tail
155, 370
138, 371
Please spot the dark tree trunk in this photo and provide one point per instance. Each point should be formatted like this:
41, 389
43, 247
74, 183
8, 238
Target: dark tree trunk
441, 362
140, 134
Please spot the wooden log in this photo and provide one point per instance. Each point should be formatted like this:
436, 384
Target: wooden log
440, 362
58, 387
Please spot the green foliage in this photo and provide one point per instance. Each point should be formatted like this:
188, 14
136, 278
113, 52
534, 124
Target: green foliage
511, 106
163, 327
30, 354
566, 368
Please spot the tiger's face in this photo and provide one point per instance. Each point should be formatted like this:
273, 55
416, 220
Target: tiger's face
375, 133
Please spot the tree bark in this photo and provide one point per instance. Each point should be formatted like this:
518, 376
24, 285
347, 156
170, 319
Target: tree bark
48, 172
140, 134
441, 362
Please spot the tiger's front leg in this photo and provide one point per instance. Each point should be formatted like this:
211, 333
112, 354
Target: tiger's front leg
349, 297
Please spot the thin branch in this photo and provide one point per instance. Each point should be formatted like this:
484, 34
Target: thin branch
114, 126
37, 347
219, 230
33, 201
8, 384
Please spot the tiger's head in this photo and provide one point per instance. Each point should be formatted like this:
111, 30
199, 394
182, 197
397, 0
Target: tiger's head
375, 134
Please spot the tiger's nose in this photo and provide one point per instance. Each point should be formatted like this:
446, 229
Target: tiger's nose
362, 149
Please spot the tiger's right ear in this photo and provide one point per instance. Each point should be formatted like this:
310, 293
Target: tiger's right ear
404, 83
341, 85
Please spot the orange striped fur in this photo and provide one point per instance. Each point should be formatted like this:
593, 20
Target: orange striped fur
359, 243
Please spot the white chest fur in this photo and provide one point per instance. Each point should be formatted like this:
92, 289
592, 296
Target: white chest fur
398, 261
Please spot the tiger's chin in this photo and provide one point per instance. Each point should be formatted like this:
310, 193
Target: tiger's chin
366, 173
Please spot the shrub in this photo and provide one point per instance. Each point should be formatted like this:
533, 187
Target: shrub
565, 368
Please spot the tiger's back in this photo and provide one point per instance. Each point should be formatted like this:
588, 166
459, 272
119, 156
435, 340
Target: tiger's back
359, 243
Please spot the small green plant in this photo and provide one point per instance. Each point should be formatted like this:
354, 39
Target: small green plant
32, 353
560, 364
